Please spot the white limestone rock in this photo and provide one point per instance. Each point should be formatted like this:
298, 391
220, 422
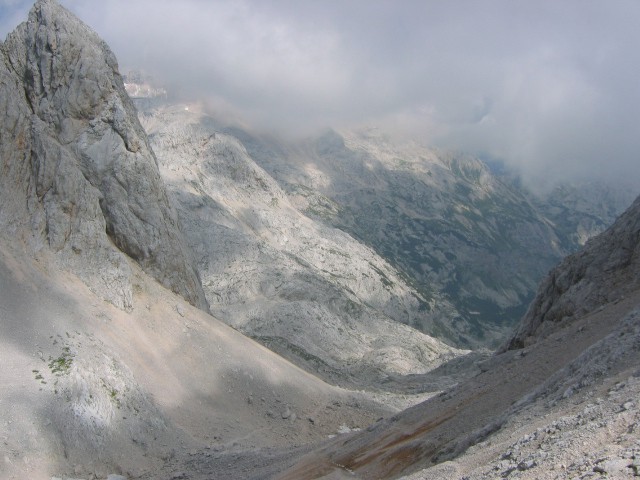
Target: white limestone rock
308, 291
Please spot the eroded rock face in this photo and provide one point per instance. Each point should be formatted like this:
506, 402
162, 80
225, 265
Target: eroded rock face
78, 174
604, 271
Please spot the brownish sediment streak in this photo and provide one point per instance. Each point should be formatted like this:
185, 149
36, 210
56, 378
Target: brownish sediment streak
391, 454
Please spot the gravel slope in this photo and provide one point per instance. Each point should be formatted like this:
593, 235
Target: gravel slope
582, 360
88, 389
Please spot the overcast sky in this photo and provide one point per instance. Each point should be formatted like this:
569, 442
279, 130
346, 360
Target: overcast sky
550, 86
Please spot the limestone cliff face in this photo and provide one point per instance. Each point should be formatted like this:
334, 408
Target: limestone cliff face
604, 271
78, 174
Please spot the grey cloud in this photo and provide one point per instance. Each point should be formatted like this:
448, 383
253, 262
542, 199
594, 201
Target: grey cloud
550, 87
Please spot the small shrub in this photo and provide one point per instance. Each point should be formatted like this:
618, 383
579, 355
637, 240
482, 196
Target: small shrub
62, 364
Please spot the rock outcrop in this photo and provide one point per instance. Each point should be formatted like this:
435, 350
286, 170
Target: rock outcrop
603, 272
78, 174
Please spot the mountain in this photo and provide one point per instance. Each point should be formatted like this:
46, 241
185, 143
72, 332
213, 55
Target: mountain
470, 239
108, 367
306, 290
321, 243
78, 175
113, 259
559, 401
603, 272
581, 210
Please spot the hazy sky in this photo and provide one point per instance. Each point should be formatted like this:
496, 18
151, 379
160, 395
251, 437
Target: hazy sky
550, 86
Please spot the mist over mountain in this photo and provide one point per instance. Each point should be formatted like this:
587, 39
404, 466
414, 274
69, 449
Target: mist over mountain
549, 88
470, 238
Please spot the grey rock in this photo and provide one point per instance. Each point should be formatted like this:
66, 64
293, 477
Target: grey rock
612, 466
602, 272
526, 465
310, 292
79, 176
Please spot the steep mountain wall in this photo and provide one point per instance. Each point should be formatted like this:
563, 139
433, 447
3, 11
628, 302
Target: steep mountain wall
458, 230
78, 175
603, 272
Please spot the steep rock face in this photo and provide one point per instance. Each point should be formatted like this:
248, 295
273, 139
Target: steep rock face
604, 271
308, 291
78, 173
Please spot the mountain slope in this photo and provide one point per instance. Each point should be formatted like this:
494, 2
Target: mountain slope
87, 388
308, 291
581, 210
134, 385
473, 241
149, 386
564, 370
605, 271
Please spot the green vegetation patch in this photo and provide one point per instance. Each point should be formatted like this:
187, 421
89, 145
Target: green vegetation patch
62, 364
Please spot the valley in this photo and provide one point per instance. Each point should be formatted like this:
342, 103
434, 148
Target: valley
183, 298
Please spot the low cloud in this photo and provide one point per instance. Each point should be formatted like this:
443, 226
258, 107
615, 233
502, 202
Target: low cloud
549, 87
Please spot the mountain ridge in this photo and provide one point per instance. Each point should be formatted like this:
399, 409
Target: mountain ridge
480, 241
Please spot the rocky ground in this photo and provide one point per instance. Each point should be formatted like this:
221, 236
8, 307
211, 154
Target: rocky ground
161, 389
592, 436
583, 358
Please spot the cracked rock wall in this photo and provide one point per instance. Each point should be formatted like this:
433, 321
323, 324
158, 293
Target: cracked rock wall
78, 174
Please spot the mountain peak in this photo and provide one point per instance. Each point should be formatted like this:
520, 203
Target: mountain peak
94, 181
51, 13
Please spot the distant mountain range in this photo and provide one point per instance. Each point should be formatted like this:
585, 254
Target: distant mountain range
469, 241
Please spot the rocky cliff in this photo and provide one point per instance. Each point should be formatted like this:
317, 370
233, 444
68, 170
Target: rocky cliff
603, 272
78, 175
